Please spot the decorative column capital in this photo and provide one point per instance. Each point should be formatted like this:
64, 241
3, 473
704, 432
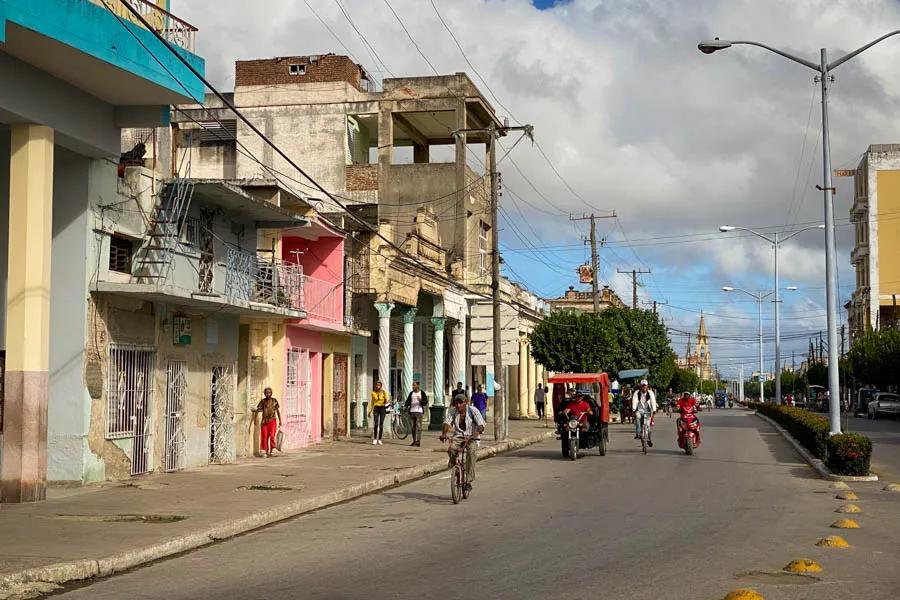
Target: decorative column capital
438, 323
384, 309
409, 315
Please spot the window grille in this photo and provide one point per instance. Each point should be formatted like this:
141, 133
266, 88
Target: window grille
213, 131
483, 261
130, 387
176, 395
121, 251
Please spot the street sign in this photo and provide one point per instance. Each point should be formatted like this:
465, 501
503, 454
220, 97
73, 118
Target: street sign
481, 334
845, 172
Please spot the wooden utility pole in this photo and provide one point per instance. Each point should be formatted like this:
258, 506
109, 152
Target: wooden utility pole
634, 273
500, 406
595, 259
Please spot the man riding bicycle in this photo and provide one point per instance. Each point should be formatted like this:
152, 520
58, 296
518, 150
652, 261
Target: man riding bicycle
643, 403
465, 421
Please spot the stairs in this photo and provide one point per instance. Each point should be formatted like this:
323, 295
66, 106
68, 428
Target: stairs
154, 261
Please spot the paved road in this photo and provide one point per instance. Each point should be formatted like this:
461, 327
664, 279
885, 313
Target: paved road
885, 435
624, 526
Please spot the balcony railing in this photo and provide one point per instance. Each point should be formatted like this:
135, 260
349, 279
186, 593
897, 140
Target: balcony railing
174, 30
255, 279
323, 300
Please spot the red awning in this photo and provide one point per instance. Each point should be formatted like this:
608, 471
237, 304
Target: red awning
578, 378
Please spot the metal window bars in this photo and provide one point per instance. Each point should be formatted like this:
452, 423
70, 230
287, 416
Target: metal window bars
221, 427
129, 397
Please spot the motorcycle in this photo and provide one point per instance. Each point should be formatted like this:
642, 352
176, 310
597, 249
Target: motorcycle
571, 436
688, 432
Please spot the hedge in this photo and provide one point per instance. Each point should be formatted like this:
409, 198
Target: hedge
845, 454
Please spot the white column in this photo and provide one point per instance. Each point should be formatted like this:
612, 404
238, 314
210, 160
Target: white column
438, 323
458, 353
384, 345
532, 384
523, 379
409, 320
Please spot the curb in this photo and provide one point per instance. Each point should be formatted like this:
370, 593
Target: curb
814, 462
61, 573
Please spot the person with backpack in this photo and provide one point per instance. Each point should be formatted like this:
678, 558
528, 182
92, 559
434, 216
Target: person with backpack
416, 401
465, 421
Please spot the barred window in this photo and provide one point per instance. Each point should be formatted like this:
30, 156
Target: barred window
130, 388
120, 253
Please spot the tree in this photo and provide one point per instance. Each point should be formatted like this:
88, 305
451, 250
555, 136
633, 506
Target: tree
817, 374
684, 380
874, 357
611, 341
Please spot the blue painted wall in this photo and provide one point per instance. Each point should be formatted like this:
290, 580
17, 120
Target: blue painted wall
94, 30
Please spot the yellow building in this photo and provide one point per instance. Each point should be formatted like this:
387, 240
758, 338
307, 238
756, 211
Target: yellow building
876, 253
699, 359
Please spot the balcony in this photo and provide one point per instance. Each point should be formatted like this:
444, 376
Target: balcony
322, 300
254, 279
174, 30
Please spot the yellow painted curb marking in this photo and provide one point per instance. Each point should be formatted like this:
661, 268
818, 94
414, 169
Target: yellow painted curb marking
845, 524
803, 565
848, 509
833, 541
848, 495
743, 594
839, 485
892, 487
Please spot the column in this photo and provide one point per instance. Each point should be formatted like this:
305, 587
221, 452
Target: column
23, 473
523, 378
437, 405
458, 353
384, 345
409, 319
512, 392
532, 384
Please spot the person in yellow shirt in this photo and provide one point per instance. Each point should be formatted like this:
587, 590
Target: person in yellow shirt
378, 409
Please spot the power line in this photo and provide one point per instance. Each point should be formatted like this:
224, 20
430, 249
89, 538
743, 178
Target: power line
412, 41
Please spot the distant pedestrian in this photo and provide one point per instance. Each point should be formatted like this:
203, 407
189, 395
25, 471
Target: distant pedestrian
460, 390
480, 399
270, 421
540, 396
416, 401
378, 410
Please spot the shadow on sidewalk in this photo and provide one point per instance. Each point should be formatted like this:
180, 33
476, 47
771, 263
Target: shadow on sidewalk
427, 498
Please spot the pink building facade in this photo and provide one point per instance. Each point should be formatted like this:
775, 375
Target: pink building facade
309, 401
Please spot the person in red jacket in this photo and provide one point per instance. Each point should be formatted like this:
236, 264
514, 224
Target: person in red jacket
579, 409
686, 403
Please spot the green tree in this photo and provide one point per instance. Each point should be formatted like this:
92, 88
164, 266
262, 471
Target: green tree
817, 374
611, 341
684, 380
875, 356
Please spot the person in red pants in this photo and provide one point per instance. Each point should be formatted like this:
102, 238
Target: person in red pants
271, 420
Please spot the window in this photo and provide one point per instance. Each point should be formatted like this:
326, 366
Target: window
129, 391
297, 69
120, 253
484, 262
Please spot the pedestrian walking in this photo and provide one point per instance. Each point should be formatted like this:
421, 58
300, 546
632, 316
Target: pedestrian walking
378, 410
271, 420
460, 390
540, 395
480, 399
416, 401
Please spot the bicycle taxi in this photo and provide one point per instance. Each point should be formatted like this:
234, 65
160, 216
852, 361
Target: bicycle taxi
595, 389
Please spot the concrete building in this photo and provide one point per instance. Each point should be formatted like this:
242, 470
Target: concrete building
699, 358
72, 74
393, 159
876, 205
583, 302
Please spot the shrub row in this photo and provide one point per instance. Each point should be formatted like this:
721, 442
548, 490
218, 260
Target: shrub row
845, 454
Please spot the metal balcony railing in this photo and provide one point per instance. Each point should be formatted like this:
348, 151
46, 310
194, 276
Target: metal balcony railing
269, 281
323, 300
176, 31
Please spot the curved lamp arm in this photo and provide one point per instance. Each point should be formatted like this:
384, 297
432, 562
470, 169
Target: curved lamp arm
796, 59
846, 57
781, 241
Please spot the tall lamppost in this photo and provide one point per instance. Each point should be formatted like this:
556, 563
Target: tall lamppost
823, 68
759, 297
776, 242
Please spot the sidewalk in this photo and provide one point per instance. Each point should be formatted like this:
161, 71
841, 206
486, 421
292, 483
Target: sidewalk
98, 530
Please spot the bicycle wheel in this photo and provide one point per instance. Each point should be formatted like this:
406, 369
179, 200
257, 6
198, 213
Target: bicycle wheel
401, 427
644, 436
456, 485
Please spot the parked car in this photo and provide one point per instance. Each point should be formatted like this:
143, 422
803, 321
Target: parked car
863, 396
884, 404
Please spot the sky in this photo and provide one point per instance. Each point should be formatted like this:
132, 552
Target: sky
630, 117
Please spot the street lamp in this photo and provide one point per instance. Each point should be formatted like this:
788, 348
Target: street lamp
823, 68
759, 297
776, 242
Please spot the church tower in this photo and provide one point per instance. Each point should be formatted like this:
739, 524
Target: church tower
704, 357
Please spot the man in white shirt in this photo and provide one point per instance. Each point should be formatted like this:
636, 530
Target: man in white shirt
643, 402
416, 401
466, 422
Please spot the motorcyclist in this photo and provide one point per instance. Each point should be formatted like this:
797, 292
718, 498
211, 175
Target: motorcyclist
687, 404
578, 409
643, 402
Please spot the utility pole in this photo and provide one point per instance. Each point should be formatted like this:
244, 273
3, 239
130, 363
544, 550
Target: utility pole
634, 273
595, 259
500, 405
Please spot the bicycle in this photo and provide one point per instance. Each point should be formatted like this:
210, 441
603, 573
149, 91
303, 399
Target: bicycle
400, 426
460, 488
645, 421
